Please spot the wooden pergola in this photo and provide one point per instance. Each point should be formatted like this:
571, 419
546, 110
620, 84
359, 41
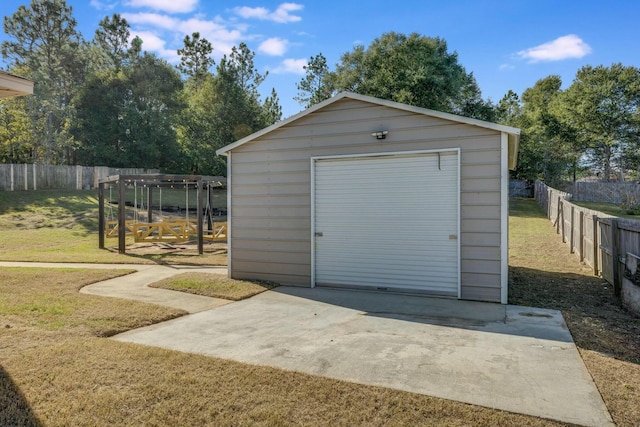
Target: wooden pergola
152, 181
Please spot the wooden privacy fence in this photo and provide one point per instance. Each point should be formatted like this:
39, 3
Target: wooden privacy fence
22, 177
610, 245
609, 192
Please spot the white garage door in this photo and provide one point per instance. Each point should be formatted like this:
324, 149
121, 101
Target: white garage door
388, 222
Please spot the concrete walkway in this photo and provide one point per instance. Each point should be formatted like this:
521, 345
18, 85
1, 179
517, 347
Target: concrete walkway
513, 358
134, 286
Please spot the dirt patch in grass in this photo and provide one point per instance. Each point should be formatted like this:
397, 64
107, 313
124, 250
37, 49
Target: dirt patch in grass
542, 273
56, 371
214, 285
184, 253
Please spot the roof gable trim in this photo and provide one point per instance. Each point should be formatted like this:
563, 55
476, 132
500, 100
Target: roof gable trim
391, 104
12, 85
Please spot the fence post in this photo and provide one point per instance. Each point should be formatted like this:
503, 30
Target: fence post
149, 203
121, 216
596, 269
558, 208
561, 203
12, 179
615, 255
581, 237
200, 205
78, 177
101, 215
571, 247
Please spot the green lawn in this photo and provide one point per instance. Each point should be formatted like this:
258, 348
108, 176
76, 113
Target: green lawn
214, 285
542, 273
62, 226
55, 369
608, 208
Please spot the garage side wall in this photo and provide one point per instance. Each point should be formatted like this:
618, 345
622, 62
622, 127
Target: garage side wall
270, 191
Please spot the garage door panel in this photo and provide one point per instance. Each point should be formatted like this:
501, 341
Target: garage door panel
388, 221
440, 286
423, 262
441, 280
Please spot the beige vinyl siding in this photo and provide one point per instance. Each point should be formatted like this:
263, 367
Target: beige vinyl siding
271, 188
471, 292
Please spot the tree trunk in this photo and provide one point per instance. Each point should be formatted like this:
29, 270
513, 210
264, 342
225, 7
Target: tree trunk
607, 163
50, 139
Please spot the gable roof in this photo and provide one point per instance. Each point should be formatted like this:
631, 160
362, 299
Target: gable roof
12, 85
513, 133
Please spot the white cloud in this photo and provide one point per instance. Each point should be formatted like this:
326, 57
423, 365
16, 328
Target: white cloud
101, 5
506, 67
290, 66
152, 42
252, 12
164, 32
282, 14
565, 47
221, 38
152, 19
170, 6
274, 46
210, 30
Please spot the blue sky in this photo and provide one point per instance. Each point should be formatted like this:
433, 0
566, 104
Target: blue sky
506, 44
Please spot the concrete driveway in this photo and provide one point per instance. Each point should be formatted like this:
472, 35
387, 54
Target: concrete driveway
512, 358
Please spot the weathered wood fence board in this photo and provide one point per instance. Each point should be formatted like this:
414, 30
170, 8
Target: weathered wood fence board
606, 244
609, 244
609, 192
19, 177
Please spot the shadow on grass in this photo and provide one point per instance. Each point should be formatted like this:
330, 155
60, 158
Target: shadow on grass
524, 208
72, 209
14, 408
175, 257
593, 314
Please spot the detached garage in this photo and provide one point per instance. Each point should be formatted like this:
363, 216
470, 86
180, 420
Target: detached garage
366, 193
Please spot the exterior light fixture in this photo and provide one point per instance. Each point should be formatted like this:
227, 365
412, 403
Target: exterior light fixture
381, 134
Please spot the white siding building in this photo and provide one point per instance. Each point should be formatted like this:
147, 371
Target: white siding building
366, 193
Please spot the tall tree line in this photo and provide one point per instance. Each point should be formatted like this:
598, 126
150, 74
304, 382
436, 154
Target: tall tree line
411, 69
591, 127
107, 101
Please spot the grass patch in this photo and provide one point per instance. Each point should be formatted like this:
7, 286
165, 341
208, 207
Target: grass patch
608, 208
37, 299
214, 285
67, 375
55, 370
62, 226
544, 274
